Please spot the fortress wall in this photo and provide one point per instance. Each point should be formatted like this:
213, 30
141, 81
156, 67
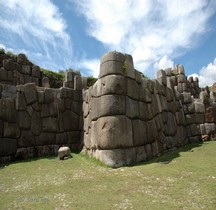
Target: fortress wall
128, 119
122, 119
19, 70
36, 121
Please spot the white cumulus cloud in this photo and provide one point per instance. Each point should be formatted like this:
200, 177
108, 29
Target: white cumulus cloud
164, 63
147, 29
39, 26
207, 74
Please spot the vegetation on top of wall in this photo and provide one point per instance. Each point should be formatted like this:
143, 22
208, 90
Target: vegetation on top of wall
55, 78
91, 80
8, 54
143, 76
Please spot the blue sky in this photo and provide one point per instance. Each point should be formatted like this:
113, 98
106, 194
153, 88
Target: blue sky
57, 34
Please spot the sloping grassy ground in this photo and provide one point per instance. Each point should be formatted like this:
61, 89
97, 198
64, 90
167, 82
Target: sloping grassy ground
187, 182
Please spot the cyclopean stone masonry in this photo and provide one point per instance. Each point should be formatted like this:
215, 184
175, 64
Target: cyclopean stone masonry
18, 70
121, 120
36, 121
128, 119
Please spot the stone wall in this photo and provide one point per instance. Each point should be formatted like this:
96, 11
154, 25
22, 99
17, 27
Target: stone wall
121, 120
36, 121
18, 70
128, 119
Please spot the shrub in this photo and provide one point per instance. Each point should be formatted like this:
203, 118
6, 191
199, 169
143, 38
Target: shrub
91, 80
55, 78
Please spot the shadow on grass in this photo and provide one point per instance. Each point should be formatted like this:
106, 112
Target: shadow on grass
169, 156
48, 157
164, 158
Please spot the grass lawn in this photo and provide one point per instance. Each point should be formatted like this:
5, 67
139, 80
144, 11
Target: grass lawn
184, 179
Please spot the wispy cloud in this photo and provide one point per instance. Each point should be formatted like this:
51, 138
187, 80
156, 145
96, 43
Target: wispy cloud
147, 29
39, 25
91, 66
207, 74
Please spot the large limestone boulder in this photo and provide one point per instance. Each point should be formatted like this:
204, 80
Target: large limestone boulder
64, 152
112, 132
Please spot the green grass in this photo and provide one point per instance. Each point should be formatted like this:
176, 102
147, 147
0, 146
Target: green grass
188, 181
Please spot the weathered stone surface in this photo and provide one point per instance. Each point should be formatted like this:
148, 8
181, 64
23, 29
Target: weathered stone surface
112, 67
190, 108
154, 147
210, 128
50, 124
1, 128
195, 130
114, 158
29, 110
132, 108
41, 98
190, 118
140, 136
53, 109
36, 71
210, 114
22, 59
181, 69
36, 106
170, 127
73, 137
45, 82
20, 101
140, 154
113, 56
168, 71
70, 120
24, 153
186, 98
26, 139
30, 93
130, 154
113, 132
181, 78
24, 120
200, 118
11, 130
132, 89
3, 74
45, 110
78, 83
64, 152
199, 107
204, 97
7, 110
202, 129
213, 96
8, 146
129, 67
49, 95
148, 150
193, 139
112, 84
61, 138
45, 139
143, 111
151, 130
36, 123
8, 91
9, 64
26, 69
107, 105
